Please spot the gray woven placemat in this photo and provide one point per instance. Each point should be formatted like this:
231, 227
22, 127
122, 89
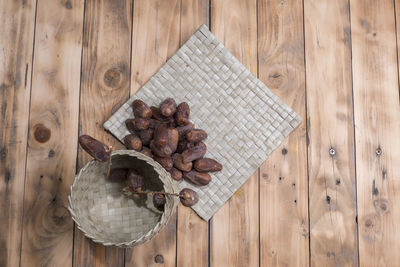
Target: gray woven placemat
244, 120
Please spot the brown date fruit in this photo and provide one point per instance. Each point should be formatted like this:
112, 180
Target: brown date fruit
182, 114
146, 136
175, 174
196, 135
140, 124
173, 138
141, 109
161, 135
207, 165
168, 107
188, 197
146, 151
133, 142
159, 201
95, 148
118, 175
196, 152
178, 163
161, 151
167, 162
183, 145
183, 130
158, 116
197, 178
135, 181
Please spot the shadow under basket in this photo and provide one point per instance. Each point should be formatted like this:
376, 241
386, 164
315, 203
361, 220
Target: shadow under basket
105, 215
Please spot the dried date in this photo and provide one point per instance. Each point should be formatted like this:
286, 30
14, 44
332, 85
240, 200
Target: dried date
197, 178
182, 114
207, 165
178, 163
133, 142
196, 135
188, 197
168, 107
158, 116
141, 109
95, 148
135, 181
196, 152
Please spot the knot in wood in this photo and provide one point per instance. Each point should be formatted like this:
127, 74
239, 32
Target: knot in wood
159, 259
112, 77
68, 5
381, 205
42, 133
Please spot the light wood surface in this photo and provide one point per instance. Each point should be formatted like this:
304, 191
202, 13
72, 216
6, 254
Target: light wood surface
17, 20
234, 228
377, 131
150, 49
47, 236
283, 178
328, 196
105, 85
190, 226
331, 170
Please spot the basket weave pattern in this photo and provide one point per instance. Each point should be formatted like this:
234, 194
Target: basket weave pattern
108, 217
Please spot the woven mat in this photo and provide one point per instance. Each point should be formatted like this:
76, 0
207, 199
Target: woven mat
244, 120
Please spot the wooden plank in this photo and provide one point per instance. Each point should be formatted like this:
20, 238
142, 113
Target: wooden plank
17, 20
283, 179
192, 231
47, 236
234, 228
155, 38
377, 120
333, 229
397, 22
105, 86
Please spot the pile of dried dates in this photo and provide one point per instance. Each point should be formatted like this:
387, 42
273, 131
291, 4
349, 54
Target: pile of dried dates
166, 134
131, 177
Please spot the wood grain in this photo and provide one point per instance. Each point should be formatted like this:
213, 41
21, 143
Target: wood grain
234, 228
377, 120
156, 30
105, 86
284, 233
332, 192
192, 231
53, 127
17, 20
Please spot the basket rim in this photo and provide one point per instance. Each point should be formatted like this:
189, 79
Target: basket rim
165, 178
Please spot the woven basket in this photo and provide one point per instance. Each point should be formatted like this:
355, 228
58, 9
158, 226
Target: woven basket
105, 215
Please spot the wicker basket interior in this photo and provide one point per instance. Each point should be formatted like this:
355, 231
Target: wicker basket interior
104, 214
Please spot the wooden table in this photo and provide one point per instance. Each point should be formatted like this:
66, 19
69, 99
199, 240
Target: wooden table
328, 196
